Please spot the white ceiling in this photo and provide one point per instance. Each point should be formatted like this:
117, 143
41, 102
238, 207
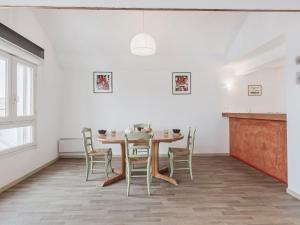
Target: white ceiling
85, 39
207, 4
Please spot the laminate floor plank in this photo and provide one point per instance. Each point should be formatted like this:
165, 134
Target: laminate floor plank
224, 192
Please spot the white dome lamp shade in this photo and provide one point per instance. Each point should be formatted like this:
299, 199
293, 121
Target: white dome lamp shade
143, 44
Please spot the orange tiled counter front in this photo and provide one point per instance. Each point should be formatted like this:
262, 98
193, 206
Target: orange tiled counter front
260, 140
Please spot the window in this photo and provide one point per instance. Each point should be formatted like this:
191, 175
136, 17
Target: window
17, 103
24, 90
14, 137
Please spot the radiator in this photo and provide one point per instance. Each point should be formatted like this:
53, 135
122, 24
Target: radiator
70, 147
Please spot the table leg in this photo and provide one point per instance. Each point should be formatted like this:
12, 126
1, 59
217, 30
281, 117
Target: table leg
155, 165
164, 170
122, 174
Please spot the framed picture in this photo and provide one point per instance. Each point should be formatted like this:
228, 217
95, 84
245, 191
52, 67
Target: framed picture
254, 90
181, 83
102, 82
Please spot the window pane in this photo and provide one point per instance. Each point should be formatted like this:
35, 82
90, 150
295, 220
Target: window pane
3, 88
13, 137
24, 90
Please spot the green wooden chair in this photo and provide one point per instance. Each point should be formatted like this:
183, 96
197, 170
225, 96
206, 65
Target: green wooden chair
131, 159
95, 156
139, 148
185, 153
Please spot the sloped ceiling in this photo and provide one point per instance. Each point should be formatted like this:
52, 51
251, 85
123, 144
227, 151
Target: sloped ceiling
199, 4
83, 39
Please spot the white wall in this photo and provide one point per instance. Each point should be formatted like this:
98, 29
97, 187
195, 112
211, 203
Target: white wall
15, 165
145, 96
273, 99
258, 29
293, 106
142, 85
259, 37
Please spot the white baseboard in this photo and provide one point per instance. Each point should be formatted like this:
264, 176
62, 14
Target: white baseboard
293, 193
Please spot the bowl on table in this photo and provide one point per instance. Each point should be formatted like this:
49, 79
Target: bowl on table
176, 131
102, 132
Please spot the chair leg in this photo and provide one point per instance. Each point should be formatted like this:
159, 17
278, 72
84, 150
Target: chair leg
128, 167
92, 164
148, 175
106, 165
87, 170
151, 176
110, 166
191, 166
134, 152
171, 162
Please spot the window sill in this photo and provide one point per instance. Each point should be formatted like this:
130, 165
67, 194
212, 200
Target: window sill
12, 151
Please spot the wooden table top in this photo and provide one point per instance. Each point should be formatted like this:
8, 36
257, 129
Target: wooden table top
257, 116
159, 136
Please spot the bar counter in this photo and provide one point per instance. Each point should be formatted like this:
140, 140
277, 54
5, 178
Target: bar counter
260, 140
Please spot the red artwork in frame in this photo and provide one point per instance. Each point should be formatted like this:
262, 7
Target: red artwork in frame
181, 83
103, 82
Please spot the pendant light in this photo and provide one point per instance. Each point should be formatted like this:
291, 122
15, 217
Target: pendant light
143, 44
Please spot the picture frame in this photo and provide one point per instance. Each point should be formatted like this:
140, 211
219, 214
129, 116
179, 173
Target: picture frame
102, 82
181, 83
254, 90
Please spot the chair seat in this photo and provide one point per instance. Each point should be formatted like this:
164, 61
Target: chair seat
179, 151
100, 152
138, 159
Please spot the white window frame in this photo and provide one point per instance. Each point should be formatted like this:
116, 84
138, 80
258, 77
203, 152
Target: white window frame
15, 62
24, 146
13, 120
7, 57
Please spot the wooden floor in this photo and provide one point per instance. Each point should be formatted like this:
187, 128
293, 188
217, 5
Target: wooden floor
224, 192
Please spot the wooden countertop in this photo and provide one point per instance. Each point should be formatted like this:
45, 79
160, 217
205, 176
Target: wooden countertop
257, 116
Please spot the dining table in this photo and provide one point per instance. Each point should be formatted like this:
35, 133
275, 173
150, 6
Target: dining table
158, 137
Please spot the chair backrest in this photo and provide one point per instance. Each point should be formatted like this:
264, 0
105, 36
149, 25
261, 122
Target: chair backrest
191, 139
87, 140
141, 125
138, 137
